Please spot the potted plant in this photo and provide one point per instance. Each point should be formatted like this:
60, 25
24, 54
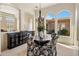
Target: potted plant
41, 32
40, 28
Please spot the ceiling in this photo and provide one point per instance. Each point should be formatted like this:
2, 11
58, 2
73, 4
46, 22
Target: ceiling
33, 5
30, 7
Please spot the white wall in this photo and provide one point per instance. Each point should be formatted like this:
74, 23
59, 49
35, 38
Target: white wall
0, 42
77, 25
78, 22
22, 19
27, 21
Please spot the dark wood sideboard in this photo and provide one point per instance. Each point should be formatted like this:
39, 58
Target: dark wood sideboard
17, 38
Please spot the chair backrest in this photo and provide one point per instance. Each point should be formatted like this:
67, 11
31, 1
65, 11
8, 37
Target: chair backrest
54, 38
30, 39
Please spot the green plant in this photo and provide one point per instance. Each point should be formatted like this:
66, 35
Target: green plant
63, 32
40, 28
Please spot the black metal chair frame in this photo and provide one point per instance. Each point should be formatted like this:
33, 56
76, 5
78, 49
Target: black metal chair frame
38, 50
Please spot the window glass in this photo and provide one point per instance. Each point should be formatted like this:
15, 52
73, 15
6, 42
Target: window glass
64, 27
50, 16
8, 22
63, 14
50, 23
63, 23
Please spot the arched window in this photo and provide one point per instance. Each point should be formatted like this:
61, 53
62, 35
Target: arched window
63, 14
64, 23
50, 16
